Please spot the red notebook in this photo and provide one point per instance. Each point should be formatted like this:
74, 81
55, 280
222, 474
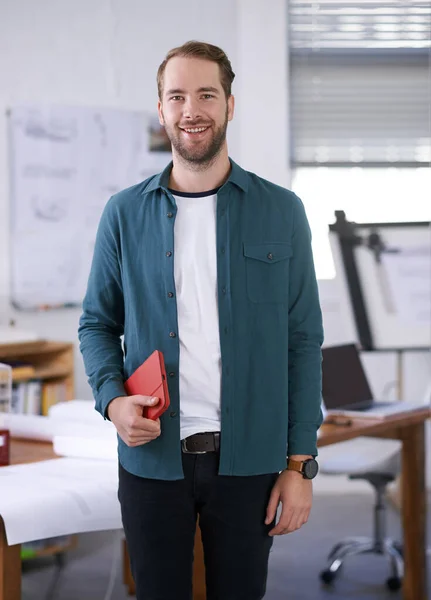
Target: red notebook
150, 380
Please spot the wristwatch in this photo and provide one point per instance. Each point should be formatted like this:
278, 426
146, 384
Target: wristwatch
308, 468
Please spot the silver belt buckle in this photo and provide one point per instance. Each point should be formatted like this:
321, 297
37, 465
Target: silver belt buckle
186, 451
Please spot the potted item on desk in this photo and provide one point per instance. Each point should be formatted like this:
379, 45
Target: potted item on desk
4, 447
5, 404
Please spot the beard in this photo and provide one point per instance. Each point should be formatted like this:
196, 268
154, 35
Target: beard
199, 155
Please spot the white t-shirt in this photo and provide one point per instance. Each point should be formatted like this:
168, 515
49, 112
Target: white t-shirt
195, 271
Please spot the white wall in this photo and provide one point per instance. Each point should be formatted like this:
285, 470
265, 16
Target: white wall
263, 88
106, 53
98, 53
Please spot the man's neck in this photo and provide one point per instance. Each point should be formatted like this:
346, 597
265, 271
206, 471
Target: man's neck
185, 178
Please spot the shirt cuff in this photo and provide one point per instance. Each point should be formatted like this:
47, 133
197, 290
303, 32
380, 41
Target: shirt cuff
302, 439
111, 389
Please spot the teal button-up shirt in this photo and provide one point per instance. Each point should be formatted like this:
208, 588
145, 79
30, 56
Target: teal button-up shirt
270, 321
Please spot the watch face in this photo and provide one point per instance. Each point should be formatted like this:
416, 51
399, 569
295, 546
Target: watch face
311, 468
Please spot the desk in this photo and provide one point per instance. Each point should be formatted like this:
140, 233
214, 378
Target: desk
410, 429
22, 451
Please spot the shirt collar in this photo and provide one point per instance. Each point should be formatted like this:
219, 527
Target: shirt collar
237, 176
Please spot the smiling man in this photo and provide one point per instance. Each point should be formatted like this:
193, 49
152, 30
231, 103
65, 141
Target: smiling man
211, 265
197, 137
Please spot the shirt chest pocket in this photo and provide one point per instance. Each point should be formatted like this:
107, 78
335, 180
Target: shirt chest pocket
267, 271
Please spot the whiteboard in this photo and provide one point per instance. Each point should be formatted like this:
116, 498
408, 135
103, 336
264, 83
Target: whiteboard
397, 290
65, 164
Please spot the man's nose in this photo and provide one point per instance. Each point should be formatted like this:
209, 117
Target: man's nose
191, 109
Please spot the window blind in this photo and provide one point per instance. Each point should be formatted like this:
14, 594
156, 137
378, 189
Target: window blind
360, 79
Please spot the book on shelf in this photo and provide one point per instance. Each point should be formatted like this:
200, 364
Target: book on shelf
35, 397
51, 394
21, 369
5, 387
26, 397
19, 391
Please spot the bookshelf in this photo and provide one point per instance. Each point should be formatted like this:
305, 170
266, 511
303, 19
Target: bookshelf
51, 363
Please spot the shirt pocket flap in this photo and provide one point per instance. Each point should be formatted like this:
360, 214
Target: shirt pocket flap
269, 252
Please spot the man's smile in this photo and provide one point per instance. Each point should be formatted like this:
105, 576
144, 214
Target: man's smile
194, 132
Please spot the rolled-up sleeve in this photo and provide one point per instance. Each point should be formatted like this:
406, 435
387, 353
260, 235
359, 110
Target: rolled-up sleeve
305, 341
101, 324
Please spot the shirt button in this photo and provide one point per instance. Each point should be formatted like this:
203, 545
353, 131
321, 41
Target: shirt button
172, 334
170, 215
223, 250
171, 374
169, 253
170, 295
223, 290
173, 414
269, 256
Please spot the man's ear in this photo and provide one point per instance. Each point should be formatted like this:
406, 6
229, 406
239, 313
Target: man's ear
160, 113
230, 107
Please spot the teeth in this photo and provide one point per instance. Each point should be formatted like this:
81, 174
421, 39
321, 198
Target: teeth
196, 130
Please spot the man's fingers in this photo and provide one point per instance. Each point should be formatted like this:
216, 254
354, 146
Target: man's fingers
145, 400
305, 515
283, 522
139, 424
287, 522
272, 506
143, 436
137, 434
290, 520
139, 430
137, 440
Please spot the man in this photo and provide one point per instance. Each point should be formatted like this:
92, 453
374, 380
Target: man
212, 266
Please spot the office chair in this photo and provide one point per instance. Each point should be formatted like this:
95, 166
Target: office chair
377, 461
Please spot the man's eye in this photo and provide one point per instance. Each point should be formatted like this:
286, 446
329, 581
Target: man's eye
208, 96
176, 97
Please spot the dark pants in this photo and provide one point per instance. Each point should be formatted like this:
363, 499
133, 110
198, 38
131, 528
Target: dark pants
159, 519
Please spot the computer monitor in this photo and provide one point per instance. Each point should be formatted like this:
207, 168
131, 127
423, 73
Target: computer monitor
344, 383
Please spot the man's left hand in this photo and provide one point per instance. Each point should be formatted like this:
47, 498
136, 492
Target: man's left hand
296, 494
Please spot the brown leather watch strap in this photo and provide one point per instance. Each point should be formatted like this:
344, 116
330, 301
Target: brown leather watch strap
295, 465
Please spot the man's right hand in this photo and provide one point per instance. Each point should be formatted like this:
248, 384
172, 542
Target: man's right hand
126, 414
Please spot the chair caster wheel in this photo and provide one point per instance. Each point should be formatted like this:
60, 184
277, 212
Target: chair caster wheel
394, 583
327, 576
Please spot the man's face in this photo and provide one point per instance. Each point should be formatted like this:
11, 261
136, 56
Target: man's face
194, 109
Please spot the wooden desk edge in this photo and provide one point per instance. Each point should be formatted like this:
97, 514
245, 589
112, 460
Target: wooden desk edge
332, 433
10, 567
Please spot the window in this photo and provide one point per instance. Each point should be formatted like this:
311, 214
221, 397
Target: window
360, 112
366, 195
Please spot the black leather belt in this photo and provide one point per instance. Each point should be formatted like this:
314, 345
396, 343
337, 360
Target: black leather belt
201, 443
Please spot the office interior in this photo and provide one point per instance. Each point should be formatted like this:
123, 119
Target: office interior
105, 54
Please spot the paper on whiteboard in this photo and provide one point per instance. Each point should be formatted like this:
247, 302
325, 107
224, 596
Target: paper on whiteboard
409, 276
58, 497
59, 259
65, 165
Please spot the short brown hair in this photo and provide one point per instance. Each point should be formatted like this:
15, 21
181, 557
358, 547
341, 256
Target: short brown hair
203, 51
